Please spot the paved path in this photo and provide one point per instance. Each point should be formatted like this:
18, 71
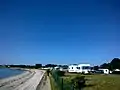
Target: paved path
45, 84
32, 83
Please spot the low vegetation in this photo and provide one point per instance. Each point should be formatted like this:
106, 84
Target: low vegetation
60, 73
73, 81
97, 82
53, 84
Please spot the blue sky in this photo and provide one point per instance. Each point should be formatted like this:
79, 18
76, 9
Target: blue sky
59, 31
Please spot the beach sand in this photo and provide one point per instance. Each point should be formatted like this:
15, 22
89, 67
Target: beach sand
25, 81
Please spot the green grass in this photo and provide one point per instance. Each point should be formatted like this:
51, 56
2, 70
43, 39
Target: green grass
93, 82
104, 82
53, 84
98, 82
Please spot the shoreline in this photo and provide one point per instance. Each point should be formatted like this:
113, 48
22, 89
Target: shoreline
24, 71
28, 80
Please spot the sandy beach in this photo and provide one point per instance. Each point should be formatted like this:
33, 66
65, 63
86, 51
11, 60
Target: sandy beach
25, 81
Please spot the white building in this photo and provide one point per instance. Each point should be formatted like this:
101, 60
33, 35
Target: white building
79, 68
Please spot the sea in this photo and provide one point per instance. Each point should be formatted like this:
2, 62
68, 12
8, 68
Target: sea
6, 72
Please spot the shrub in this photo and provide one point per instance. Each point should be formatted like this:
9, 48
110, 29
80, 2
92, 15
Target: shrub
78, 82
116, 72
60, 73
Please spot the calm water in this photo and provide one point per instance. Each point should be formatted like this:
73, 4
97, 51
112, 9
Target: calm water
5, 72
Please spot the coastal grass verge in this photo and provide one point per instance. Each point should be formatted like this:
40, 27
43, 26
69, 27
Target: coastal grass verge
53, 84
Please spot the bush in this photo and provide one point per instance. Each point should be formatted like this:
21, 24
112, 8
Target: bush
116, 72
48, 72
78, 82
60, 73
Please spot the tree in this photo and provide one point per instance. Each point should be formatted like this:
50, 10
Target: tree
115, 63
105, 66
96, 67
38, 66
50, 65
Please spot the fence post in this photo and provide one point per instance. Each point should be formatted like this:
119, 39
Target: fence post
62, 84
72, 86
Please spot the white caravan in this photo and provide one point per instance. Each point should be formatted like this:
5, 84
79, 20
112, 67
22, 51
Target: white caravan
105, 71
79, 68
72, 68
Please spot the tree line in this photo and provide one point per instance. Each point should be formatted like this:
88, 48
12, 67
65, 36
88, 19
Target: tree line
114, 64
23, 66
30, 66
35, 66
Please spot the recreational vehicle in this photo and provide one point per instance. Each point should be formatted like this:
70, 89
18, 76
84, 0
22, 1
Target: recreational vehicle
72, 68
79, 68
105, 71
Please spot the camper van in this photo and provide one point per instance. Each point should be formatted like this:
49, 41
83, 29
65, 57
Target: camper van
79, 68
